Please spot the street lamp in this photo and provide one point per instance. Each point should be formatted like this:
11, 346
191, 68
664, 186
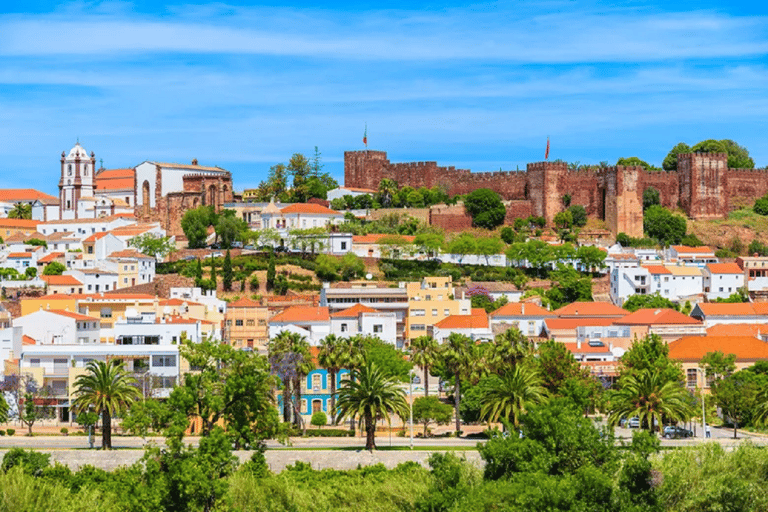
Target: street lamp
411, 378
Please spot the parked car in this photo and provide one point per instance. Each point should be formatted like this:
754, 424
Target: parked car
237, 245
630, 423
675, 432
216, 255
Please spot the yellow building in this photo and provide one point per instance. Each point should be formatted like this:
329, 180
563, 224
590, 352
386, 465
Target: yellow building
246, 325
430, 301
10, 227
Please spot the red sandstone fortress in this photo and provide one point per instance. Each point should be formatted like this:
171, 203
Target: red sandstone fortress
703, 186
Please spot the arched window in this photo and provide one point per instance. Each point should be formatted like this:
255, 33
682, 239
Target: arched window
145, 197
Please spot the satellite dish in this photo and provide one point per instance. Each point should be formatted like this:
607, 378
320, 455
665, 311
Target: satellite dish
369, 276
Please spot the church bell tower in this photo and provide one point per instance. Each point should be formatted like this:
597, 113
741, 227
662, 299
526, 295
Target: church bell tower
77, 170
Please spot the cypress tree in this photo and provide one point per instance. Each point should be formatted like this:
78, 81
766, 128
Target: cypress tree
271, 271
226, 272
213, 272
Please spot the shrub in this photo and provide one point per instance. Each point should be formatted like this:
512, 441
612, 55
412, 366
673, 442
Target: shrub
2, 432
64, 430
319, 419
331, 432
11, 431
32, 462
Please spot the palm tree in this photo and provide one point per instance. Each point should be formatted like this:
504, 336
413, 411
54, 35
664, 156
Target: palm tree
387, 190
461, 356
369, 396
21, 211
332, 359
424, 354
508, 350
105, 388
651, 398
290, 360
507, 396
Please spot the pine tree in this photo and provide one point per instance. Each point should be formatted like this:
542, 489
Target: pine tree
227, 272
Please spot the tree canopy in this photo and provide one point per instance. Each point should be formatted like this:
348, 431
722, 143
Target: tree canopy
664, 226
485, 208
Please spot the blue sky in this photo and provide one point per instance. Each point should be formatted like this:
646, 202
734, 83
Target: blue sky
478, 86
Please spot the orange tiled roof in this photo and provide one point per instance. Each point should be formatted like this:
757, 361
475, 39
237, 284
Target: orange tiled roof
520, 309
650, 316
573, 323
51, 257
622, 256
96, 236
19, 223
20, 255
114, 179
131, 230
63, 280
657, 269
751, 330
683, 249
28, 340
374, 238
309, 208
129, 253
604, 309
243, 302
724, 268
76, 316
731, 309
586, 348
24, 194
473, 321
693, 348
302, 314
88, 221
353, 312
176, 302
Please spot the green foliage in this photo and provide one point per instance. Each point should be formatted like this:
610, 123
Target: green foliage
30, 272
31, 462
650, 353
21, 211
483, 301
226, 272
388, 359
568, 286
563, 220
628, 241
153, 245
54, 268
271, 271
757, 248
37, 242
485, 208
578, 215
653, 300
634, 161
430, 409
737, 396
319, 419
741, 295
651, 197
506, 396
670, 161
464, 244
662, 225
761, 206
229, 228
738, 156
195, 224
691, 240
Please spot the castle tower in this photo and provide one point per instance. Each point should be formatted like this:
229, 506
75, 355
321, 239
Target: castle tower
77, 170
623, 206
703, 184
364, 169
544, 188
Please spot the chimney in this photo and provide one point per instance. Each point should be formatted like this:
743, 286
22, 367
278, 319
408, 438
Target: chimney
194, 161
522, 308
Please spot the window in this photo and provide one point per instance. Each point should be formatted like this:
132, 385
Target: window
418, 312
317, 381
691, 377
90, 249
34, 363
344, 327
238, 323
165, 382
229, 323
378, 328
418, 327
262, 323
163, 361
447, 312
434, 312
343, 246
249, 323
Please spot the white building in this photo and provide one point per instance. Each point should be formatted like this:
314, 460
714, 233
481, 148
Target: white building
360, 319
527, 317
475, 326
314, 323
721, 280
57, 327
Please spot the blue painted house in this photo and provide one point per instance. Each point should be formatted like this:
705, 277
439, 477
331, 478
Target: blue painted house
316, 392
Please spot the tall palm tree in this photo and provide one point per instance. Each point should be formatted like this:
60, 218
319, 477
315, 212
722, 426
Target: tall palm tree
106, 387
20, 211
461, 356
387, 191
507, 396
424, 354
369, 396
332, 359
290, 360
508, 350
304, 365
650, 397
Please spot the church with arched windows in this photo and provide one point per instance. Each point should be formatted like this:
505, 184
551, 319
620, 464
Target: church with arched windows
151, 191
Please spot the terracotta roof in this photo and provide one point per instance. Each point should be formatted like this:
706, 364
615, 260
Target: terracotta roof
114, 179
175, 319
96, 297
51, 257
729, 309
586, 348
129, 253
520, 309
177, 302
243, 302
309, 208
301, 314
573, 323
751, 330
622, 256
724, 268
24, 194
374, 238
76, 316
19, 223
650, 316
20, 255
598, 309
353, 312
28, 340
473, 321
63, 280
354, 189
683, 249
693, 348
657, 269
191, 167
131, 230
95, 236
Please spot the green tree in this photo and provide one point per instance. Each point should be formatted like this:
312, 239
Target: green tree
230, 228
54, 268
291, 360
30, 272
333, 357
429, 409
634, 161
568, 286
463, 244
387, 192
271, 271
506, 397
319, 419
4, 407
153, 245
509, 350
213, 272
662, 225
226, 273
670, 161
578, 215
424, 354
717, 365
371, 395
327, 267
195, 224
590, 257
106, 388
648, 301
20, 211
485, 208
737, 396
489, 246
651, 197
388, 359
738, 156
351, 267
650, 353
651, 397
761, 205
461, 356
429, 243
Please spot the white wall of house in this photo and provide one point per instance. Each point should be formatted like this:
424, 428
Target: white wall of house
49, 328
721, 285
